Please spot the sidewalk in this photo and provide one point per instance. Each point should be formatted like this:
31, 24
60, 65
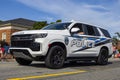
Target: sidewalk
7, 60
114, 59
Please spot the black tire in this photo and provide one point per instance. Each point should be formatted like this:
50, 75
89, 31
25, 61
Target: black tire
103, 57
22, 61
55, 58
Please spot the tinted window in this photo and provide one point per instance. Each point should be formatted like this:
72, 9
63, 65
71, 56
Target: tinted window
96, 31
79, 26
90, 30
58, 26
105, 32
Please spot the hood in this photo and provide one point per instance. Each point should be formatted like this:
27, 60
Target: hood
29, 32
40, 31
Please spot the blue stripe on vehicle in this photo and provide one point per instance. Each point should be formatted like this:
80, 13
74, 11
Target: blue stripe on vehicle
101, 43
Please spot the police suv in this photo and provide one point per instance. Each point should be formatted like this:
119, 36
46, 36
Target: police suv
59, 42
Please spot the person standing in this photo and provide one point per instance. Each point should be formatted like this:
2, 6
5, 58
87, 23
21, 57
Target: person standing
115, 52
6, 50
1, 52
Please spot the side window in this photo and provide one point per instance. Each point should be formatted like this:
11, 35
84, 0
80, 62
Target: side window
77, 29
96, 31
105, 32
90, 30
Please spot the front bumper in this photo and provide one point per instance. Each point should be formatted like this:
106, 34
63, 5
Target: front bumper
27, 53
17, 53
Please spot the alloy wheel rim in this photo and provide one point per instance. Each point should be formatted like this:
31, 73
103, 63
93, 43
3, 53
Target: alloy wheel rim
57, 57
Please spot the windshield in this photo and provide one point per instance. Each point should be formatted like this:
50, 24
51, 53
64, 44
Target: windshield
58, 26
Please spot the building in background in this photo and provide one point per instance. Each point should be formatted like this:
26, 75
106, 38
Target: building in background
11, 26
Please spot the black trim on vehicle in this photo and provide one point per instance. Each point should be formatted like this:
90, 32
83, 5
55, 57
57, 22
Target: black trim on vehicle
82, 58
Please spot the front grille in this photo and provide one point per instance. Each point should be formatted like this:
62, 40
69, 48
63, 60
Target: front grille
22, 37
24, 41
21, 40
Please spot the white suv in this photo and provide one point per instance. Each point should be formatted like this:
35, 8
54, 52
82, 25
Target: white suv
59, 42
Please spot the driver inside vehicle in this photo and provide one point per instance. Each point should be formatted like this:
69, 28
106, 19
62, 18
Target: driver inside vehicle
80, 33
77, 31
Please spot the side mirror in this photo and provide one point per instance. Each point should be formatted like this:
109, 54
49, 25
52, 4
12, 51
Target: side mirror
73, 30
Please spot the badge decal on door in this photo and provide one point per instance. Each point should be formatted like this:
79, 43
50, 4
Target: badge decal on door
66, 40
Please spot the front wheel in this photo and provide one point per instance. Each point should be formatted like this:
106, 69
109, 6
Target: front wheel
103, 57
22, 61
55, 58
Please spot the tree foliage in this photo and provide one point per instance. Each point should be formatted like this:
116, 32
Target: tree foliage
39, 25
52, 23
59, 20
0, 21
118, 34
115, 40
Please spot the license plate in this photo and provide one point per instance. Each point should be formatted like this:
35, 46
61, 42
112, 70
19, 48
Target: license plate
18, 54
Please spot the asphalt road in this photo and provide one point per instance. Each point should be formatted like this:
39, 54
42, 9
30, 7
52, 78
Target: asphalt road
77, 71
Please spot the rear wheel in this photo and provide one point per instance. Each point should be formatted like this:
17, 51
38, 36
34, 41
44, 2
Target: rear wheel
55, 57
103, 57
22, 61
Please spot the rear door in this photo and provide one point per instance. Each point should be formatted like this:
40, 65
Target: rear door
83, 41
92, 38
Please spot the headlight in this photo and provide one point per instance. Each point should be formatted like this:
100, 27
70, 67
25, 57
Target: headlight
42, 35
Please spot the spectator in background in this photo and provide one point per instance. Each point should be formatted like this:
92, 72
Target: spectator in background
115, 51
1, 52
6, 50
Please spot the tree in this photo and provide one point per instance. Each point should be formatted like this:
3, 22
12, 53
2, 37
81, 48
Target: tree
115, 40
0, 21
59, 20
118, 34
52, 23
39, 25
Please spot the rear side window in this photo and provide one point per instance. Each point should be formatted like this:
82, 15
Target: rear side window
91, 30
105, 32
